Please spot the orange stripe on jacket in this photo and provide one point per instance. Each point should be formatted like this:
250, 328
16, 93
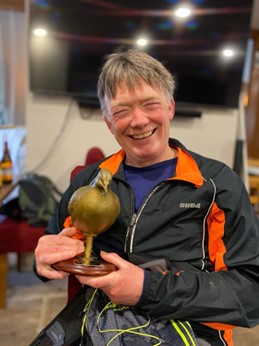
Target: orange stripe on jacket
216, 246
227, 330
187, 169
217, 249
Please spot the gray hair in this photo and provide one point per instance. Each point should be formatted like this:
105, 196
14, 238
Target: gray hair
132, 67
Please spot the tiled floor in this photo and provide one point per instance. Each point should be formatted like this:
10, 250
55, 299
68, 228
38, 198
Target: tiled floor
32, 304
29, 308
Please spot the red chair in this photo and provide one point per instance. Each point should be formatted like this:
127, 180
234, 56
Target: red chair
19, 237
93, 155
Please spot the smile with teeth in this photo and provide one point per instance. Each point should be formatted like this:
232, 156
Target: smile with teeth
143, 135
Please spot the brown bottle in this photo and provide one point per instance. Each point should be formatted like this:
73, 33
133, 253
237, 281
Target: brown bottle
7, 166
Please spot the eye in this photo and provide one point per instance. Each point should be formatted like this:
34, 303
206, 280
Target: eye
151, 105
120, 113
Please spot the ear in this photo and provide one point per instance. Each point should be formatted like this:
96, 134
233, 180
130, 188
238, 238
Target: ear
171, 109
108, 123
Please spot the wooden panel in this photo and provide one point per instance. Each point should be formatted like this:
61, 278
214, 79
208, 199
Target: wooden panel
253, 162
15, 5
252, 116
252, 111
254, 191
3, 281
254, 184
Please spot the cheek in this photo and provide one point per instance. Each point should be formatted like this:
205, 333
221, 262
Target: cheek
120, 126
159, 117
112, 125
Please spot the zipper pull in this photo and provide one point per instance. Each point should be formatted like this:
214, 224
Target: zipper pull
128, 242
133, 220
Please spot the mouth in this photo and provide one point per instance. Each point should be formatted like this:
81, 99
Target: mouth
143, 135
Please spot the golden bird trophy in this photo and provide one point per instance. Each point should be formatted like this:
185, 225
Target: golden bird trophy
93, 209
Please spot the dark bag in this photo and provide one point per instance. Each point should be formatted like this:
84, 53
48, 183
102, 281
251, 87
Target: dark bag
38, 199
12, 209
121, 321
107, 323
91, 319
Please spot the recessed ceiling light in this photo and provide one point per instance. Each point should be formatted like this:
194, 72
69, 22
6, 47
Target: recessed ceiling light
228, 53
183, 12
40, 32
142, 41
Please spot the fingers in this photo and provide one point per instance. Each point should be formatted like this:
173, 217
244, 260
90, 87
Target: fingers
114, 259
55, 248
68, 232
123, 286
107, 280
103, 281
51, 273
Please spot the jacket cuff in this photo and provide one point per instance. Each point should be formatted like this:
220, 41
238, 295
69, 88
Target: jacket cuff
151, 279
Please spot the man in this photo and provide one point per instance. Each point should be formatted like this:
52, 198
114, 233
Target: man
176, 205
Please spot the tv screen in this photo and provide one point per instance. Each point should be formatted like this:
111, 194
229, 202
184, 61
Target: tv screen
80, 33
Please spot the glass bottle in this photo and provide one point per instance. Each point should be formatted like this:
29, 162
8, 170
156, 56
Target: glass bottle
6, 166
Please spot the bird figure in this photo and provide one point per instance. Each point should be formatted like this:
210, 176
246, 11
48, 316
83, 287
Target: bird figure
94, 208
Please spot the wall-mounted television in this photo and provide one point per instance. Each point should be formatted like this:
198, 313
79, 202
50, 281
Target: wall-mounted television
80, 33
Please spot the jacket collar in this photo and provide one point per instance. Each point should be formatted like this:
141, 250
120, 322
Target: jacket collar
186, 168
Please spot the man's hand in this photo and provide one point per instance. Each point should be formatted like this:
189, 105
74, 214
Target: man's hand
123, 286
55, 248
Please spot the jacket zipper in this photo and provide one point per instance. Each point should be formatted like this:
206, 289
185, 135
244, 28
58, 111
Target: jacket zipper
128, 246
132, 224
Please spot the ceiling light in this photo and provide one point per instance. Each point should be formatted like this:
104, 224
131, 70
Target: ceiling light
228, 53
183, 12
40, 32
142, 42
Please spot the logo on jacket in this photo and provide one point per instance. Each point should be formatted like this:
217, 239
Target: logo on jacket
190, 205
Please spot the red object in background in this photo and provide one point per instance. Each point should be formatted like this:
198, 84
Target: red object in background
19, 236
94, 154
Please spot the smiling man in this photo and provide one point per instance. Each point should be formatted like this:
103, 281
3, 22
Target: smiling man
186, 241
139, 120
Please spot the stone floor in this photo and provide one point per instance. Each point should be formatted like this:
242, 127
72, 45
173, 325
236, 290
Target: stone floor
31, 304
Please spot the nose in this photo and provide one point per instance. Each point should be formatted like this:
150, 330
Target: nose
139, 117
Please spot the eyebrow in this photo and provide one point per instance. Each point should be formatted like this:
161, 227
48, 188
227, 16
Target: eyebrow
121, 103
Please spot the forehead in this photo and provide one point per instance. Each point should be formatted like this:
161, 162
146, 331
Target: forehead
139, 90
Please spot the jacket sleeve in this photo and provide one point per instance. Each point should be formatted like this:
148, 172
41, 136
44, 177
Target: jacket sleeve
228, 295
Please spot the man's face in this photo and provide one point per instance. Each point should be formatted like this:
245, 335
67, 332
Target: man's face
139, 121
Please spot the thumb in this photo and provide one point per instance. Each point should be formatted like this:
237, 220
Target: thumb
113, 258
69, 231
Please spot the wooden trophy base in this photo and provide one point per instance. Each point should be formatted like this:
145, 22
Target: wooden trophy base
96, 267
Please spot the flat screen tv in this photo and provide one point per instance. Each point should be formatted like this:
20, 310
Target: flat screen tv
80, 33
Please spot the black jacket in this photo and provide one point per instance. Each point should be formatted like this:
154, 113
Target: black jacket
202, 221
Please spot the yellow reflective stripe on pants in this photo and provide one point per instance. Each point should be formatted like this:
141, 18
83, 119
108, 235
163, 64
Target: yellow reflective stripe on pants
181, 334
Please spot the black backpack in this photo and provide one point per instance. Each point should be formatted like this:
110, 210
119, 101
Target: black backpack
38, 199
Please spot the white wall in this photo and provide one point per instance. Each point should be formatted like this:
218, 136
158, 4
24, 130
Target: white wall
12, 67
212, 135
